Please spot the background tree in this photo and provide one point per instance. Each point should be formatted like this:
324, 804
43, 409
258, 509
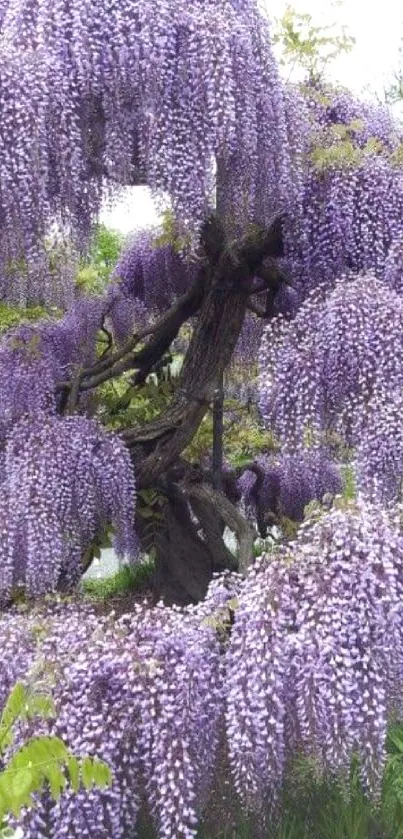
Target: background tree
305, 48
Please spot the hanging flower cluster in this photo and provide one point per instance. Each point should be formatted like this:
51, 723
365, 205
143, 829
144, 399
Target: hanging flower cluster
35, 358
352, 198
136, 91
319, 370
351, 216
71, 341
65, 481
148, 277
333, 108
380, 451
393, 272
144, 693
284, 484
315, 662
312, 664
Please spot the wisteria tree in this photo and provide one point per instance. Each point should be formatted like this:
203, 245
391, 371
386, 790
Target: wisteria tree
266, 186
183, 97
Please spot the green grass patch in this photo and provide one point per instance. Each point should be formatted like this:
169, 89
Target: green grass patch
128, 579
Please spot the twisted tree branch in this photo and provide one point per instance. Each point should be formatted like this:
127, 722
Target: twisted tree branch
233, 519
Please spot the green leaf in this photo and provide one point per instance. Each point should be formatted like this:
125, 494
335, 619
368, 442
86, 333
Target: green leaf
87, 773
101, 774
73, 768
13, 709
21, 785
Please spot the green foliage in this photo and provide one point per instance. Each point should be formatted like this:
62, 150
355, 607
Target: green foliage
95, 270
12, 316
307, 46
338, 149
127, 579
244, 436
42, 760
124, 405
170, 235
349, 483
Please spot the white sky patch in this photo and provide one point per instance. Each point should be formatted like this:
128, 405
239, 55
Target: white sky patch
135, 208
368, 68
376, 27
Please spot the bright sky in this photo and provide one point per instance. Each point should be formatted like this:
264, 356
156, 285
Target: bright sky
378, 30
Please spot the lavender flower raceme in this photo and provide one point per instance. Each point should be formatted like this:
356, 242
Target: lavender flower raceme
380, 450
146, 280
319, 370
35, 358
283, 485
352, 196
315, 662
66, 480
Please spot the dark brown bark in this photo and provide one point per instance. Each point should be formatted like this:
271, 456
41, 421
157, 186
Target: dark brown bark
218, 433
161, 442
190, 545
163, 332
184, 561
188, 552
158, 444
222, 508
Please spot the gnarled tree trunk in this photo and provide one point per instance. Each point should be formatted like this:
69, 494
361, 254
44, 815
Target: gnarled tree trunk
190, 545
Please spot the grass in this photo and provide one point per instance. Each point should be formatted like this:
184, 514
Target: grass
128, 579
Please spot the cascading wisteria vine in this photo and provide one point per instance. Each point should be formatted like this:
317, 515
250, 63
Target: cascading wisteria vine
380, 451
351, 216
147, 278
34, 358
315, 662
393, 272
302, 656
319, 370
334, 107
145, 692
65, 481
284, 484
71, 341
352, 197
156, 91
153, 272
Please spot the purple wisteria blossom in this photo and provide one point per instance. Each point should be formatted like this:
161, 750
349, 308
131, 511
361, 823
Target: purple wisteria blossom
35, 358
380, 450
319, 370
65, 481
176, 94
302, 656
352, 196
315, 662
144, 692
284, 484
